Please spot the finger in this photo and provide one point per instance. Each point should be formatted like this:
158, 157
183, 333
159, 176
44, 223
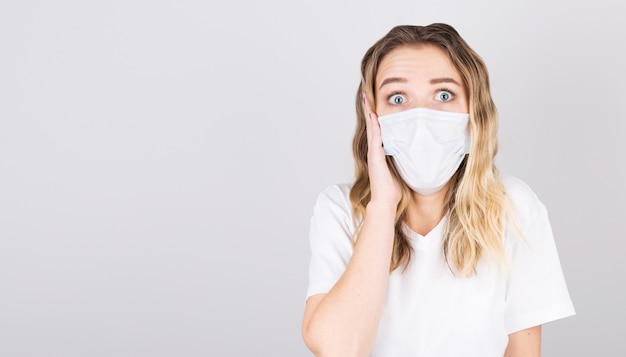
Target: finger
366, 108
373, 127
366, 102
371, 119
366, 112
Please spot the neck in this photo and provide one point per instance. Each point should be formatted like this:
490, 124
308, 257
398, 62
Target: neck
424, 212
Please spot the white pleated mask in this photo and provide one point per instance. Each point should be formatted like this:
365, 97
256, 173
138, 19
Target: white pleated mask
427, 146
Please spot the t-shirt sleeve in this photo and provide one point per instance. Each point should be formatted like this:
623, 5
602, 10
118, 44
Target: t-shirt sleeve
330, 238
536, 290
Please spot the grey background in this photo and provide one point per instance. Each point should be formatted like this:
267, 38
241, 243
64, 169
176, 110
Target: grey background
159, 161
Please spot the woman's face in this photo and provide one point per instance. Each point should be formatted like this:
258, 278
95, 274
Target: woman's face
418, 77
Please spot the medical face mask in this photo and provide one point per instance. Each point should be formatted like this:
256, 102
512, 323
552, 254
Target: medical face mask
427, 146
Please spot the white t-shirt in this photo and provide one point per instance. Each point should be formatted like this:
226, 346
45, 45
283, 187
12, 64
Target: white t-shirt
429, 311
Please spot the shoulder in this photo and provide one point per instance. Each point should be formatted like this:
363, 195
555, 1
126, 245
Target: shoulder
330, 238
522, 198
333, 205
337, 195
517, 189
536, 292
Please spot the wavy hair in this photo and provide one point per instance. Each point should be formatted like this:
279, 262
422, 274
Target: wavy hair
476, 199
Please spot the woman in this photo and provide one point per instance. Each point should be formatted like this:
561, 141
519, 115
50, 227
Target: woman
429, 252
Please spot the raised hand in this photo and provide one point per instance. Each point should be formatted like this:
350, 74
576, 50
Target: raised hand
384, 186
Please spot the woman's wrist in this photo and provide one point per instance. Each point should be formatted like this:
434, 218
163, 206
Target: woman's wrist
381, 209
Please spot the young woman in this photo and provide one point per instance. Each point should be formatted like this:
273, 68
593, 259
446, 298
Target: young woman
429, 252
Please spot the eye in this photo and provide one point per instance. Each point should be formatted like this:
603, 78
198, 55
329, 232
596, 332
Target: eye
396, 99
444, 95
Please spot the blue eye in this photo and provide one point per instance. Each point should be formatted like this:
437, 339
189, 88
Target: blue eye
397, 99
444, 96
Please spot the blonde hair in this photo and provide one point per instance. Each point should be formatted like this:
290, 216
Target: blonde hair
475, 200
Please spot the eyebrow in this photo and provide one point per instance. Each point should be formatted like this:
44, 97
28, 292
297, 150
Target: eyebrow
392, 80
443, 80
404, 80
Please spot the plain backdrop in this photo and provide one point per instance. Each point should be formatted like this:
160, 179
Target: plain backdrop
159, 161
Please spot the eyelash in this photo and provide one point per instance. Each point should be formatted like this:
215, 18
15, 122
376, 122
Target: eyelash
394, 93
446, 90
442, 89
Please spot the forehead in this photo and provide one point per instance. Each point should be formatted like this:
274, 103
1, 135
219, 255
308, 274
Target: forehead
416, 63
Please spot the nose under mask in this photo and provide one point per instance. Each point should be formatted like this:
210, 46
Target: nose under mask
427, 146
